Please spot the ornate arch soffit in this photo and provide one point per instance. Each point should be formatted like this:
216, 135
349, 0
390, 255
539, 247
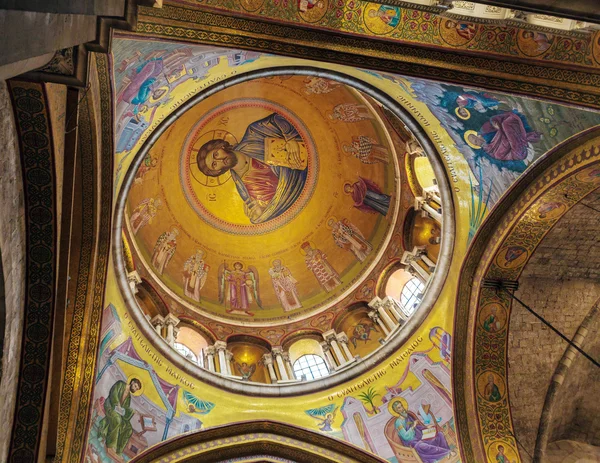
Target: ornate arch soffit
257, 438
33, 124
500, 251
360, 368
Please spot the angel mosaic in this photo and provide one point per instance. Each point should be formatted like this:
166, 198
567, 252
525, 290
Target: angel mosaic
347, 236
164, 250
143, 214
246, 371
362, 332
284, 285
238, 288
195, 272
324, 415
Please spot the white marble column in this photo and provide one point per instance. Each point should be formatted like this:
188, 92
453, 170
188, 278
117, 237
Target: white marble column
171, 321
221, 347
393, 307
158, 322
327, 351
228, 358
330, 337
288, 365
342, 339
268, 361
421, 204
378, 305
411, 259
134, 280
210, 358
374, 315
278, 353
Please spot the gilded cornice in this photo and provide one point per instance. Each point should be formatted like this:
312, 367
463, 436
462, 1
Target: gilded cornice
197, 26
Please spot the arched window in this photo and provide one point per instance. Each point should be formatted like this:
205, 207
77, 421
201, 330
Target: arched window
186, 352
411, 295
310, 365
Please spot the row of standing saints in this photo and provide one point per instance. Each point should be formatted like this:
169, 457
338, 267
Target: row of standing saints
239, 284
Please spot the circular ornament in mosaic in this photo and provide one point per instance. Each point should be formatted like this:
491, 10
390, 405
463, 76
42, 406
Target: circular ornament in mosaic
512, 257
312, 11
534, 43
590, 174
490, 386
267, 131
596, 47
252, 5
457, 33
381, 19
492, 317
550, 210
502, 452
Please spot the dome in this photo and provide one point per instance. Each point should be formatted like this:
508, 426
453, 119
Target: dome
277, 217
235, 212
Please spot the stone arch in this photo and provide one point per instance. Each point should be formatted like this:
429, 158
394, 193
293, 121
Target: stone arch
269, 440
500, 250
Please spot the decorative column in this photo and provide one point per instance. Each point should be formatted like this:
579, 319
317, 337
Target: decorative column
411, 259
158, 322
330, 337
278, 353
393, 306
328, 355
171, 321
377, 304
267, 359
432, 194
221, 347
210, 358
427, 210
374, 315
288, 365
134, 280
228, 358
343, 340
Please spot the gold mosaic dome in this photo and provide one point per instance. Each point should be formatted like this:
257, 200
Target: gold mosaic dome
268, 201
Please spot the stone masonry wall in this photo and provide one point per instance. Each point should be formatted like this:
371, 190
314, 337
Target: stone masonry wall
561, 282
12, 244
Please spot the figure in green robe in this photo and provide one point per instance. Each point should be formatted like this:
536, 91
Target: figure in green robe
115, 427
491, 391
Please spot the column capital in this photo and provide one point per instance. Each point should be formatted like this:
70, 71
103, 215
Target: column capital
286, 356
220, 345
267, 359
171, 319
325, 345
373, 315
229, 355
277, 350
375, 303
342, 337
158, 320
329, 335
210, 350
